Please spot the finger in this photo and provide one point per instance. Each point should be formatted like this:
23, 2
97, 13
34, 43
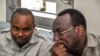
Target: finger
58, 50
61, 46
57, 43
62, 50
63, 54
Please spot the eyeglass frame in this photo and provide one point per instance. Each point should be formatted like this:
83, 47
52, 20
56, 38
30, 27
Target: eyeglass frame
61, 33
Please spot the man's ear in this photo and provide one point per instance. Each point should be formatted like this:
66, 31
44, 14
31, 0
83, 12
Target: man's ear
79, 30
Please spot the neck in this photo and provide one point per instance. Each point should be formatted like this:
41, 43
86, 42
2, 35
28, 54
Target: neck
78, 52
21, 45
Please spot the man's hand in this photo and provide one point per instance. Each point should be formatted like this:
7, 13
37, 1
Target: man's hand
58, 49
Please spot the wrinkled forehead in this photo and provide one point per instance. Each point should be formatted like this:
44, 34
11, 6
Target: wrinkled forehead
62, 22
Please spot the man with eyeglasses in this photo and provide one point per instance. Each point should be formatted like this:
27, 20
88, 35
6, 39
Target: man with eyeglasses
71, 37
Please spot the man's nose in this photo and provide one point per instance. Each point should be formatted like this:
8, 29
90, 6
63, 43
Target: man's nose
20, 34
56, 38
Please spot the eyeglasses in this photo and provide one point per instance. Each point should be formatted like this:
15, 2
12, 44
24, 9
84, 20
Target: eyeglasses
61, 33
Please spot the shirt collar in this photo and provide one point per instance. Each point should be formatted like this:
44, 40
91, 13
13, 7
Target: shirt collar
34, 38
91, 40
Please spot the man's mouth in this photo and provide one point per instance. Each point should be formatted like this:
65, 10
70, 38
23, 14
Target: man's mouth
20, 39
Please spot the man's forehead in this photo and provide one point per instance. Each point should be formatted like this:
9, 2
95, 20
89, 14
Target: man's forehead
63, 19
22, 19
62, 22
61, 27
64, 16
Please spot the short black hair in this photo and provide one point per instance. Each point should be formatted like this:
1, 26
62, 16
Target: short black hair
77, 18
22, 11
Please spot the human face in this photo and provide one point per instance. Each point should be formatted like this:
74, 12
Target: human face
64, 31
22, 28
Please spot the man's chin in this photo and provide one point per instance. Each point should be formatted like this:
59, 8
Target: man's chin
20, 42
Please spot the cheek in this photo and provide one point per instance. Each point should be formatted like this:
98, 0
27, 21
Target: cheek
28, 34
13, 33
70, 38
70, 41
